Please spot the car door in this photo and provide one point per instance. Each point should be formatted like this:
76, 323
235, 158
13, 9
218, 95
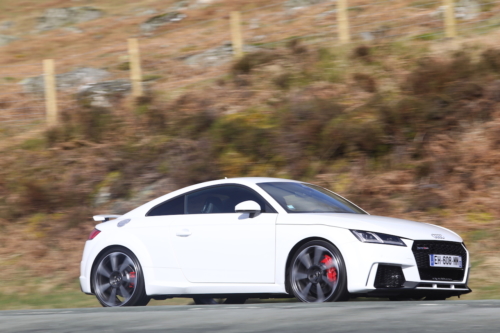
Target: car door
154, 231
214, 244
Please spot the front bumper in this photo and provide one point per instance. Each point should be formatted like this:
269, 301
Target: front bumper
363, 262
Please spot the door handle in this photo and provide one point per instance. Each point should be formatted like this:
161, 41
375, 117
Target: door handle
184, 232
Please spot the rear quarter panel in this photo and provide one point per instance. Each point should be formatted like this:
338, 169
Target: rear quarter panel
111, 235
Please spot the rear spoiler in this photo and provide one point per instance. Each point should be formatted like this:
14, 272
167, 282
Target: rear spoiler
105, 218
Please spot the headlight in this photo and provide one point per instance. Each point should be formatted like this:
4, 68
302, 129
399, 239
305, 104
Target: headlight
375, 237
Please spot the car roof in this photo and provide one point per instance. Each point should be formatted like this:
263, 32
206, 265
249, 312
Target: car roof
256, 180
141, 210
240, 180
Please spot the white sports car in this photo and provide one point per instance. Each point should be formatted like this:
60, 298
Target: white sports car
266, 237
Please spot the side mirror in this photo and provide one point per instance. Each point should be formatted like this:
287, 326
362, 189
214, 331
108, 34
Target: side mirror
250, 207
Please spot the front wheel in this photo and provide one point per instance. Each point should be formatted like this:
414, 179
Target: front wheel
317, 273
117, 279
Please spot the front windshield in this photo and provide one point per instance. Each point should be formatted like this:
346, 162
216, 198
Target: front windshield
307, 198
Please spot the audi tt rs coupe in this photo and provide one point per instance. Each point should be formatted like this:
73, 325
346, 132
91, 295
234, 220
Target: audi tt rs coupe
243, 238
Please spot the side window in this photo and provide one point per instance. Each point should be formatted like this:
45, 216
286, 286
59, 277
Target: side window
222, 199
172, 207
212, 200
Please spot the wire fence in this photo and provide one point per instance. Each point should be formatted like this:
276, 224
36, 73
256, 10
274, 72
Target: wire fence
178, 55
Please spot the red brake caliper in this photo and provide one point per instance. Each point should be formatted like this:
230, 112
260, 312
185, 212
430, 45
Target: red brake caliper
331, 273
131, 276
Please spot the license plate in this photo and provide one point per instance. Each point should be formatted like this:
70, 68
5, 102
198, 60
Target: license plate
443, 260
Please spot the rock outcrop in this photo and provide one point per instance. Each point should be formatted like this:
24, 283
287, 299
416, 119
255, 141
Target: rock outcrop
154, 22
467, 9
216, 56
464, 10
6, 25
302, 3
54, 18
104, 94
88, 83
4, 39
66, 81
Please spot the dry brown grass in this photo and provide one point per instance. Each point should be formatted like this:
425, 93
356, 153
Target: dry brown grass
103, 42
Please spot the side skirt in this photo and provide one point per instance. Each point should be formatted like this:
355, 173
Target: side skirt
261, 296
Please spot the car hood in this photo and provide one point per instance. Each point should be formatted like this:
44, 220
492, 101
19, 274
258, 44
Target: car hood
387, 225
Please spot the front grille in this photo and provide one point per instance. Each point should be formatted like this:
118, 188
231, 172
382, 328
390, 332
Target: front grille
421, 251
389, 277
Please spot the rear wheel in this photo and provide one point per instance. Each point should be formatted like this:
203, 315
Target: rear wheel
117, 279
317, 273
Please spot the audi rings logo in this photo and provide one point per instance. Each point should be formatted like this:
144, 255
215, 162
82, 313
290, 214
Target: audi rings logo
437, 236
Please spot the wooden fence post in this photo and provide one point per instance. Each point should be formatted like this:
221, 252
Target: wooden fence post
50, 92
343, 22
449, 19
135, 67
236, 34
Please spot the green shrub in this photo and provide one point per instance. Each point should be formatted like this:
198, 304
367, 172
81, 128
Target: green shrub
305, 120
350, 133
429, 36
296, 47
362, 52
124, 66
249, 133
433, 76
151, 77
189, 125
192, 162
410, 111
365, 82
34, 144
283, 81
461, 90
249, 61
327, 68
152, 115
491, 59
93, 123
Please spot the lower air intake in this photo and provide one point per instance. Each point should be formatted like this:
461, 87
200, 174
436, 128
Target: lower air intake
389, 277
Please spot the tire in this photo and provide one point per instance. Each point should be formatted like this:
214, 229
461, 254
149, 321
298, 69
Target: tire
118, 279
317, 273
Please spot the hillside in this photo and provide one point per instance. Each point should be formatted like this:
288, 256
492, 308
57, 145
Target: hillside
405, 128
186, 42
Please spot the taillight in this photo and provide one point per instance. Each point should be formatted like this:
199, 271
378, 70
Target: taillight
94, 233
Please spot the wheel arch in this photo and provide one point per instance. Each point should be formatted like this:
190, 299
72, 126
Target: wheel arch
98, 256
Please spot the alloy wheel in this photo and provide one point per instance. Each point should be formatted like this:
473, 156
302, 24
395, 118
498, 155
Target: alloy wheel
315, 274
115, 279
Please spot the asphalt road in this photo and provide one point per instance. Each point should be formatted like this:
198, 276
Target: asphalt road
421, 316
